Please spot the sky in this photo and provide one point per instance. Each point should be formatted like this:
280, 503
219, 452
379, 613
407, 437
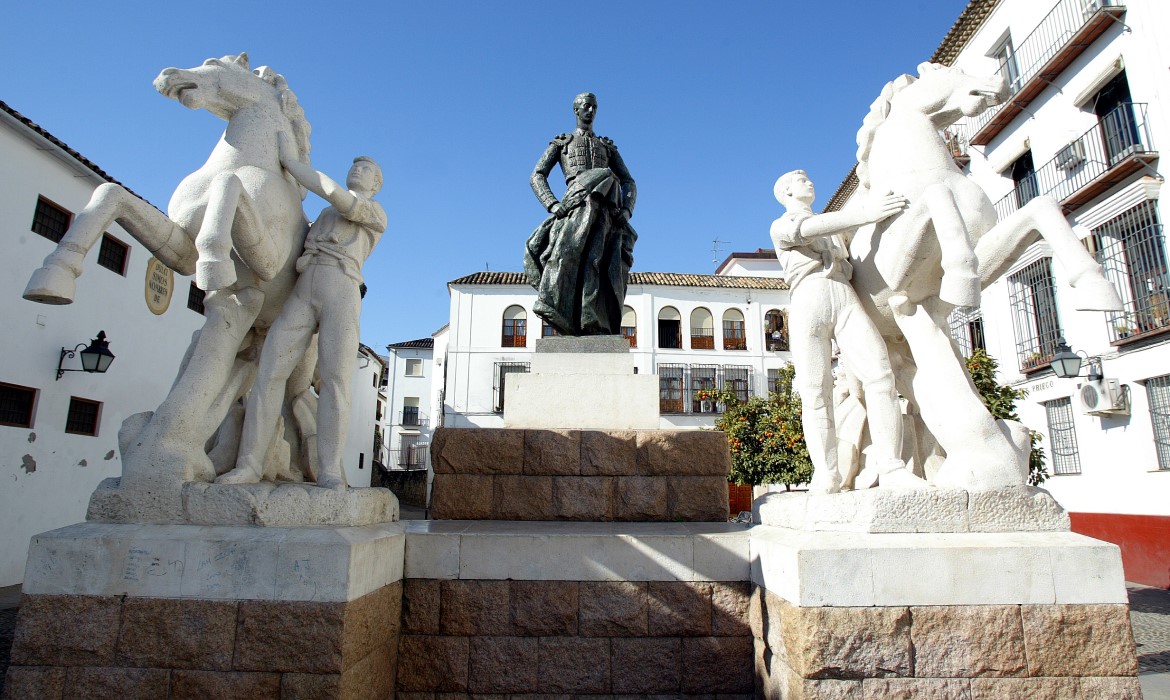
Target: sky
708, 103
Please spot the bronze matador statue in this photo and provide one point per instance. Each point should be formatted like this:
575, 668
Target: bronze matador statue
579, 259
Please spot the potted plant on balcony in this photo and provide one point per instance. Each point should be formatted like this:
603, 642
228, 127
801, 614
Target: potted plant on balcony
1124, 330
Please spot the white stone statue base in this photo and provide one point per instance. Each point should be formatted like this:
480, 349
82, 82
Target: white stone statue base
585, 383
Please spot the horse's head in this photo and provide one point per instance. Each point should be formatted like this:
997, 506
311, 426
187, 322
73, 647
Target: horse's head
946, 94
224, 86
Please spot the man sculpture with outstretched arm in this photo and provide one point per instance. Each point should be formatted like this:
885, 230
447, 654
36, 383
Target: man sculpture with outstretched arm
327, 301
826, 308
579, 259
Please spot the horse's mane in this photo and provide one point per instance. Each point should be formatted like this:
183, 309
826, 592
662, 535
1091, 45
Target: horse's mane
292, 110
878, 111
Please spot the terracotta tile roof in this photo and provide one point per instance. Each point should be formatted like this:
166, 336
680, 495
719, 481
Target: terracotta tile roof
89, 164
969, 22
673, 279
420, 343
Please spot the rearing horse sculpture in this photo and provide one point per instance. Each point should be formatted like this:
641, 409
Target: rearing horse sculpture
237, 224
912, 270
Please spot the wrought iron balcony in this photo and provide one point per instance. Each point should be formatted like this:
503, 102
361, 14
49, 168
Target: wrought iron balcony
412, 419
1115, 147
1064, 33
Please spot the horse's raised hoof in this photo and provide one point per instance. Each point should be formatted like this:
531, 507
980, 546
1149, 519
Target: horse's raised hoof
960, 290
1094, 294
51, 284
211, 275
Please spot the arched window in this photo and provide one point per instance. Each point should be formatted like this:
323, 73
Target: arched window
702, 330
515, 333
669, 328
734, 337
630, 326
775, 331
547, 329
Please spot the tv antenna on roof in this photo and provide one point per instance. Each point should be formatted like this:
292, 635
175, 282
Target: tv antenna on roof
715, 250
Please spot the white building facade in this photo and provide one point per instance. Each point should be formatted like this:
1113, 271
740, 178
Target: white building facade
1090, 105
693, 331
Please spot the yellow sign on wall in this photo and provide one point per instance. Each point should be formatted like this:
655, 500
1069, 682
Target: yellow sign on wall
160, 286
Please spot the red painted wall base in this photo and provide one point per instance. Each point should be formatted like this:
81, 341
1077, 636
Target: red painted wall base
1144, 542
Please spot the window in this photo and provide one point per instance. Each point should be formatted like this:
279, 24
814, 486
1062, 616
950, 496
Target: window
702, 330
410, 410
547, 330
630, 326
670, 388
1114, 109
378, 412
83, 416
515, 334
1062, 437
17, 404
113, 253
195, 299
1005, 55
1024, 175
1132, 250
1033, 299
414, 367
1158, 394
738, 379
50, 220
774, 381
669, 328
775, 331
967, 330
734, 335
702, 378
503, 369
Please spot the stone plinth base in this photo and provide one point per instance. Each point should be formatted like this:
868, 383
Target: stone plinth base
573, 609
265, 503
966, 616
141, 611
586, 383
1010, 509
505, 474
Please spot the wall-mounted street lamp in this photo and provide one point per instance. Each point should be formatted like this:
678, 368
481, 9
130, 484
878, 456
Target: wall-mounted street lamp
1067, 364
95, 358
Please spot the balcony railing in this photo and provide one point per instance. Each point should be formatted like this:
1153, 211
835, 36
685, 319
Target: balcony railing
1064, 33
410, 458
411, 419
1115, 147
702, 339
681, 387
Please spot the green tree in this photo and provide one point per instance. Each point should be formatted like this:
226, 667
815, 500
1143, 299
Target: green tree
1001, 402
765, 436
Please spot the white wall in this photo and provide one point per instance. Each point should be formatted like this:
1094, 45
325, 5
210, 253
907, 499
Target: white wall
357, 460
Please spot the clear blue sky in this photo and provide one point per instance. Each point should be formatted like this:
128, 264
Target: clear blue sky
708, 102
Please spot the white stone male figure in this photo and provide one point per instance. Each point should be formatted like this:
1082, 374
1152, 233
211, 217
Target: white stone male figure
825, 308
327, 301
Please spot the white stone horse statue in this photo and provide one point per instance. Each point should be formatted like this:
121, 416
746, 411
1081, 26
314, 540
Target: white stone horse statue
912, 270
238, 225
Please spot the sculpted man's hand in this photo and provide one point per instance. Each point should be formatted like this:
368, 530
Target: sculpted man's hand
885, 206
558, 210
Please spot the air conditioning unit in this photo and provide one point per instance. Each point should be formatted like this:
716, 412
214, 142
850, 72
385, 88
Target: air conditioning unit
1104, 396
1071, 156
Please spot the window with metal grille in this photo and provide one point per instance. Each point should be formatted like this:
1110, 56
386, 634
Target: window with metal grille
1032, 295
967, 330
16, 405
671, 383
703, 378
1158, 394
410, 410
773, 381
1132, 250
50, 220
195, 299
502, 370
669, 328
1062, 437
734, 332
629, 327
113, 253
738, 379
83, 416
1024, 175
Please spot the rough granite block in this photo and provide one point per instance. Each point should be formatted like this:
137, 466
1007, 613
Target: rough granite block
170, 633
430, 663
609, 453
1079, 640
66, 630
83, 683
461, 497
614, 608
475, 608
916, 688
503, 665
697, 498
34, 683
544, 608
679, 609
552, 452
683, 453
646, 665
968, 641
290, 636
845, 643
574, 665
641, 498
587, 498
717, 664
477, 451
201, 685
729, 609
420, 606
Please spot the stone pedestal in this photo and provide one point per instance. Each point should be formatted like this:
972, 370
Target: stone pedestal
585, 383
625, 475
956, 614
174, 611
